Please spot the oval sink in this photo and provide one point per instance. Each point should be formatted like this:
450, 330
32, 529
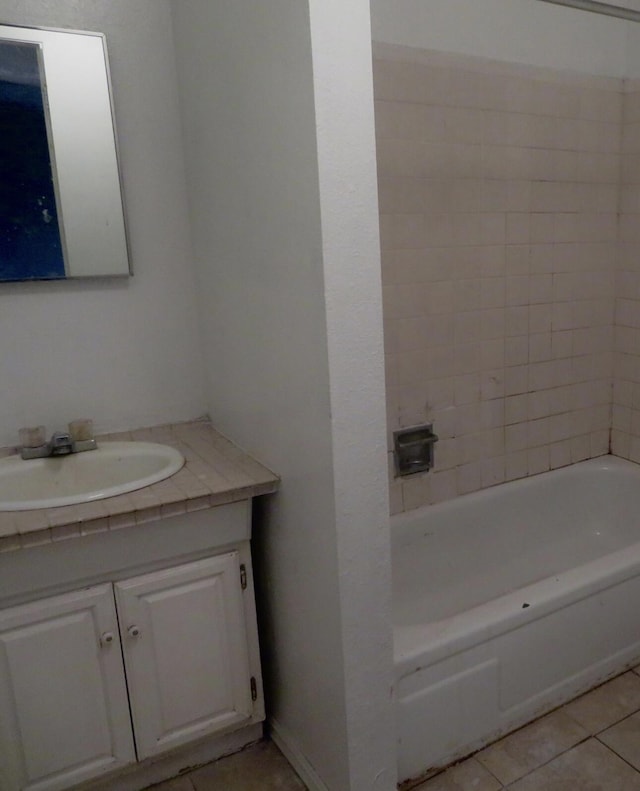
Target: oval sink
113, 468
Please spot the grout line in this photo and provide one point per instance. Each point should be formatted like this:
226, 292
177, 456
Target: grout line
620, 757
546, 763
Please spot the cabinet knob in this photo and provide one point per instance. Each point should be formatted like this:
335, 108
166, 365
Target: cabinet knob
106, 638
133, 631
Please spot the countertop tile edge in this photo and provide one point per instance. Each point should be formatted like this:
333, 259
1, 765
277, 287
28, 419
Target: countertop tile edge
233, 476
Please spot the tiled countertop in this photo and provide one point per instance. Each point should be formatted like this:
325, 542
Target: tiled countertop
215, 472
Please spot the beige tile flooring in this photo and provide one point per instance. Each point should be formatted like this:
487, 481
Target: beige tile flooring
260, 767
590, 744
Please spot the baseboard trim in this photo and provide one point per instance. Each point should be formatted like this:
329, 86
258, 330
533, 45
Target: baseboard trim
288, 746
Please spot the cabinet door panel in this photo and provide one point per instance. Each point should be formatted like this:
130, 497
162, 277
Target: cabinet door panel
185, 649
63, 706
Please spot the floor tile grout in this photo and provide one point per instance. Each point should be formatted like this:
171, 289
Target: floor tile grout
605, 746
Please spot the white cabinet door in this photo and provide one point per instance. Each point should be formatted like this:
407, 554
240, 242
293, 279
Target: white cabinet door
64, 715
185, 651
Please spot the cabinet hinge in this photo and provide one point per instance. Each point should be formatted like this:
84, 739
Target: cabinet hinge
254, 689
243, 576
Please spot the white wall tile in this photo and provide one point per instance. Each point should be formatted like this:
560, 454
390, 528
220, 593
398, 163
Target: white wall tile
499, 203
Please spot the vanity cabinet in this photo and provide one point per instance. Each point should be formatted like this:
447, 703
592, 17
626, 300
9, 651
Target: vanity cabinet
185, 652
93, 679
64, 714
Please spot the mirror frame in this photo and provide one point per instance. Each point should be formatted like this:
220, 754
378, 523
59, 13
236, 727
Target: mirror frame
83, 148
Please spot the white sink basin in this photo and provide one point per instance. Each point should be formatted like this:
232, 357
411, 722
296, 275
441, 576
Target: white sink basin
114, 468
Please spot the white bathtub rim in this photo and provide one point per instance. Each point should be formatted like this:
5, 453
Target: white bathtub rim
420, 645
440, 638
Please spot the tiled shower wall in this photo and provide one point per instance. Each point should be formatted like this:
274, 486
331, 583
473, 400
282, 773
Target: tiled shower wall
625, 434
498, 188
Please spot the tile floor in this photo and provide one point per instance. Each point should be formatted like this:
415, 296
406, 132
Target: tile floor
260, 767
590, 744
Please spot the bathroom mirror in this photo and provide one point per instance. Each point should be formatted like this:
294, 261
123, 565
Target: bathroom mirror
61, 208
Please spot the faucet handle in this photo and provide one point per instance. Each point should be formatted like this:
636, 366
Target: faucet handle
32, 436
81, 429
81, 432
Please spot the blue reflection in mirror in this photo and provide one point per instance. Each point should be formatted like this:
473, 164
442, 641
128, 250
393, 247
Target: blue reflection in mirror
30, 242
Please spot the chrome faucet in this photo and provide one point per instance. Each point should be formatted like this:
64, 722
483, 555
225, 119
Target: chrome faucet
60, 444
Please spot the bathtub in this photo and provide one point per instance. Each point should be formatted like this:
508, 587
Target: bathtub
509, 602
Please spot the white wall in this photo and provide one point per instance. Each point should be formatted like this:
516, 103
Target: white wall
633, 51
343, 83
125, 352
520, 31
285, 237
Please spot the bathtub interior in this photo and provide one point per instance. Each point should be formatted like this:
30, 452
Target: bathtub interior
451, 557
